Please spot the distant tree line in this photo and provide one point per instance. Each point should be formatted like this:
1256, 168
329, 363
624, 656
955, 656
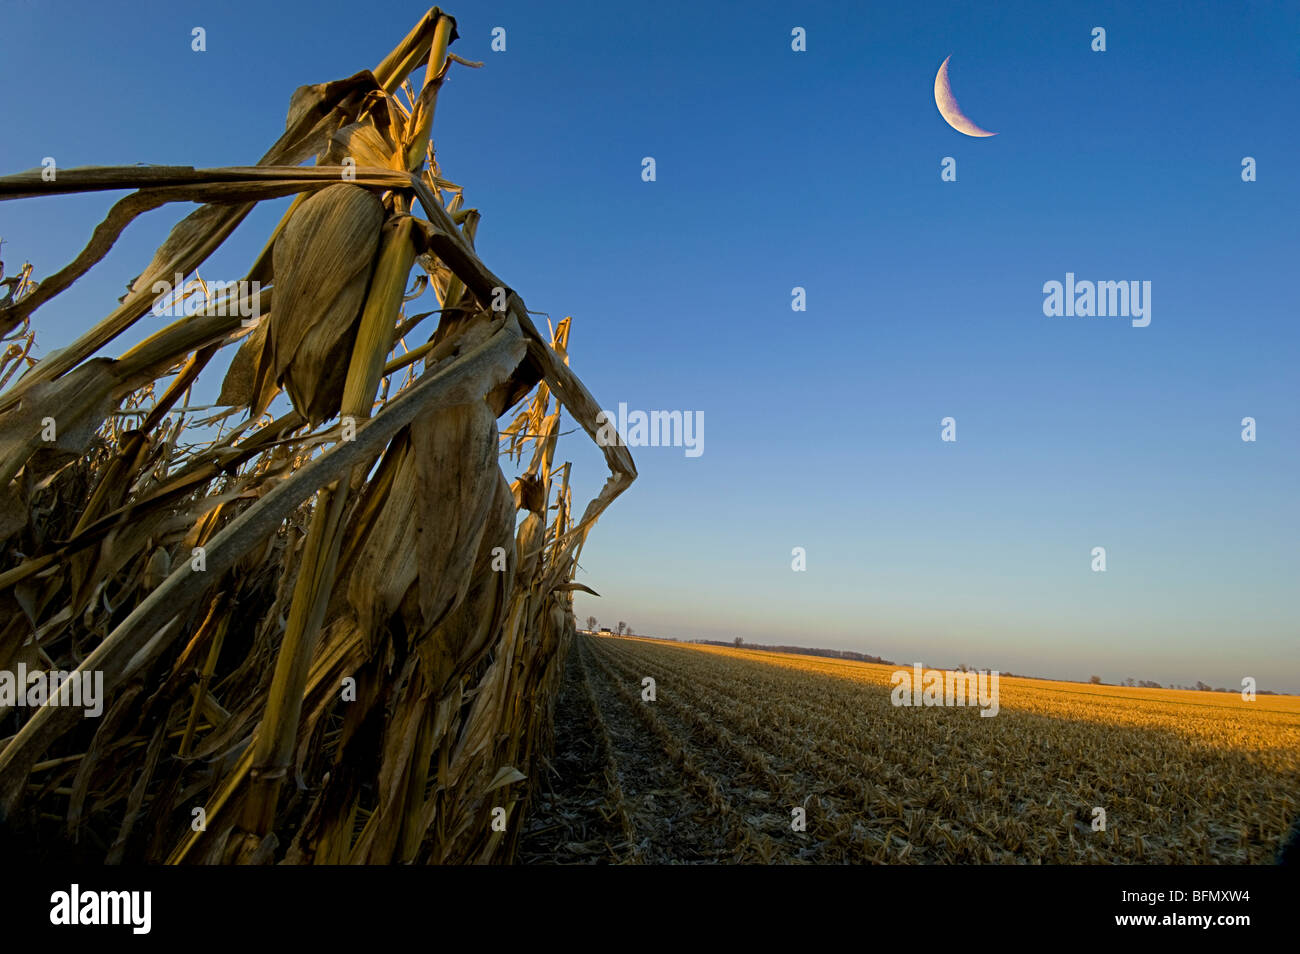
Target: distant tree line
623, 628
801, 650
864, 657
1200, 686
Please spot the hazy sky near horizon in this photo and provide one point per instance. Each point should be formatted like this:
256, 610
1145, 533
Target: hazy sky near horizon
821, 169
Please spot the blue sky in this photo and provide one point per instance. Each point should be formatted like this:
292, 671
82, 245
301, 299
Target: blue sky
822, 169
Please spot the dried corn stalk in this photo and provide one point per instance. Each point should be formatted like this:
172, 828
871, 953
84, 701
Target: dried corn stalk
329, 631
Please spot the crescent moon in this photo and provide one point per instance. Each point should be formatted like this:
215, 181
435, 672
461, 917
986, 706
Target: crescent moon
948, 107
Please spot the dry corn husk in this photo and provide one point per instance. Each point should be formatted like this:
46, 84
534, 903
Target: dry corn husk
322, 264
477, 618
528, 544
456, 467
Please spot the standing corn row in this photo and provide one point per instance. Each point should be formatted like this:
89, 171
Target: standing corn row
325, 635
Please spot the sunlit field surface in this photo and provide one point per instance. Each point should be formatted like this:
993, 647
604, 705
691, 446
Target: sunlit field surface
736, 739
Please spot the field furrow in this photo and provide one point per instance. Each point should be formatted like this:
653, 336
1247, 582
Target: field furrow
757, 800
676, 812
753, 736
580, 816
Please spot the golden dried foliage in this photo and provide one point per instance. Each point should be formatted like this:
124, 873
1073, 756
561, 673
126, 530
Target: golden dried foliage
329, 638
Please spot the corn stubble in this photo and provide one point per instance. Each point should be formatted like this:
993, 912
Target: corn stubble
741, 737
330, 637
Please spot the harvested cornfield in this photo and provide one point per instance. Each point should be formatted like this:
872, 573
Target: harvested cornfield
326, 634
713, 768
